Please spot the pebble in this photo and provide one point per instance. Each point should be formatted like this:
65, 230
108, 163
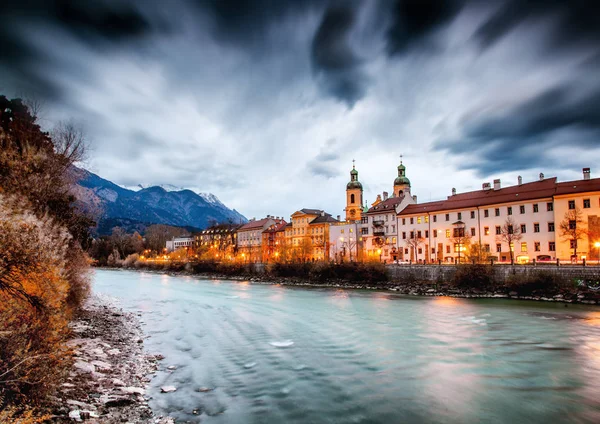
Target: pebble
168, 389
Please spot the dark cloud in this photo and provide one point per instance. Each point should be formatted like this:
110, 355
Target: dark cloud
413, 20
524, 135
576, 20
336, 65
324, 164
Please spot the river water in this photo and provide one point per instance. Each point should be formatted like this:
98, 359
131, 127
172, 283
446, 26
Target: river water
273, 354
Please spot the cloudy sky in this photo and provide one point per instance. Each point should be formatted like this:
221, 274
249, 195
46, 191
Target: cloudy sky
265, 103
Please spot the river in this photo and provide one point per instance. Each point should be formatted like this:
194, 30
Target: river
273, 354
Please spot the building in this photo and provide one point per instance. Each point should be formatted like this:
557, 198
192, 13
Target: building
307, 235
381, 234
525, 218
249, 238
273, 240
179, 243
346, 241
354, 197
219, 240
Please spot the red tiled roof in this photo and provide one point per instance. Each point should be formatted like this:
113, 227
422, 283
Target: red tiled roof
254, 224
528, 191
276, 227
580, 186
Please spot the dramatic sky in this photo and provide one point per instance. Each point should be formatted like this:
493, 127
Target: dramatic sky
265, 103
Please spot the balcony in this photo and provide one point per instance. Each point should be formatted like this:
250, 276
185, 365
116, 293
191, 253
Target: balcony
378, 223
378, 233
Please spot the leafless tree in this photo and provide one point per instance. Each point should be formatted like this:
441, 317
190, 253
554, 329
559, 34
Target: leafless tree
414, 241
510, 233
573, 228
460, 238
70, 142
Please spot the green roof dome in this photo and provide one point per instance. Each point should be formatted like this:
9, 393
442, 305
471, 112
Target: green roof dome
354, 184
401, 180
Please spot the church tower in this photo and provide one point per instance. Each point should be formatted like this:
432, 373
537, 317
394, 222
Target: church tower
354, 196
401, 183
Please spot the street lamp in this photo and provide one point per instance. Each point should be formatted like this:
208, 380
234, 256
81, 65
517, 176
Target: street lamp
597, 246
379, 251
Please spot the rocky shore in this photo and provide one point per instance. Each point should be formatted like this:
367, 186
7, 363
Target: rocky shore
108, 379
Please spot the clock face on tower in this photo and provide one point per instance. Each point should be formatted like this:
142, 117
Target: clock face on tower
352, 212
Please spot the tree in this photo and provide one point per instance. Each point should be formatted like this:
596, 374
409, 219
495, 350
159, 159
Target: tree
573, 228
460, 238
510, 233
413, 242
158, 234
477, 253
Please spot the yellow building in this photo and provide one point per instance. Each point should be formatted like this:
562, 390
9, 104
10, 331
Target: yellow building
354, 197
307, 235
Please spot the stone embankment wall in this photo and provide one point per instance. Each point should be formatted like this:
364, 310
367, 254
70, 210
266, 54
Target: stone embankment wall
445, 273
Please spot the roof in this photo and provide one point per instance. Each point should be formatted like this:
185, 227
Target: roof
321, 219
311, 211
280, 226
386, 205
546, 188
252, 225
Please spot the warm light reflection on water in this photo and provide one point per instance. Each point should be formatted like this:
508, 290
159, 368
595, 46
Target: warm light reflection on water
272, 354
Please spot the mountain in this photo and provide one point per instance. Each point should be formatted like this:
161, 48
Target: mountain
149, 205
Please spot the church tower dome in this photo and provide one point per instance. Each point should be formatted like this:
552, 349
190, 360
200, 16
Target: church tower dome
401, 183
354, 196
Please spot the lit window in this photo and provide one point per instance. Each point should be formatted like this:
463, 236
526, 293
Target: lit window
524, 247
418, 220
447, 233
426, 219
486, 231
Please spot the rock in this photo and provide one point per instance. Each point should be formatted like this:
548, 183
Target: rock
171, 367
133, 390
431, 291
84, 366
113, 351
104, 366
204, 390
116, 401
513, 293
118, 382
75, 415
168, 389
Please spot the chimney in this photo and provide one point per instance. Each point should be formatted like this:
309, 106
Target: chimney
520, 180
486, 186
322, 213
541, 176
338, 217
586, 173
378, 198
415, 198
453, 191
268, 216
497, 184
385, 195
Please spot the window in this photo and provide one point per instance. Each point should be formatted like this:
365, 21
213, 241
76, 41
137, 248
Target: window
549, 207
426, 219
426, 233
342, 231
524, 247
386, 218
473, 232
352, 198
551, 246
497, 211
486, 247
404, 234
418, 220
571, 204
486, 231
351, 230
523, 228
434, 233
364, 231
386, 229
498, 230
536, 246
412, 221
394, 240
522, 209
364, 220
498, 247
472, 214
419, 234
509, 210
412, 234
459, 232
447, 217
536, 227
486, 213
510, 229
459, 215
393, 228
434, 218
406, 251
448, 249
535, 208
572, 224
420, 250
586, 203
551, 227
447, 233
433, 250
573, 244
403, 221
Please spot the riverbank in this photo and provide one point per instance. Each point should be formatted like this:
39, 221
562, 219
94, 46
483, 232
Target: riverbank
108, 379
469, 281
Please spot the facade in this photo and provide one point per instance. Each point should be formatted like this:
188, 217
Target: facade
346, 241
273, 240
179, 243
307, 235
249, 238
490, 222
354, 197
219, 240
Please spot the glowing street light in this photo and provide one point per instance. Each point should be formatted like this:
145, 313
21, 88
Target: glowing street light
597, 246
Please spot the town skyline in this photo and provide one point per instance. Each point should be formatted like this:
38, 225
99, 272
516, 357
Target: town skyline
258, 103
